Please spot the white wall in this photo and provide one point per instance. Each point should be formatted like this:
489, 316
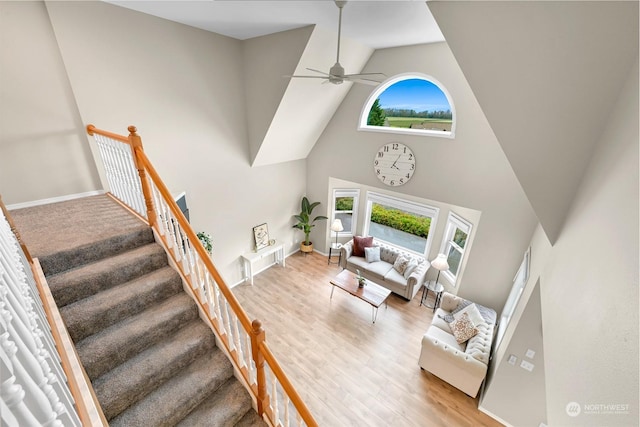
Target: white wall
469, 171
43, 150
590, 285
183, 89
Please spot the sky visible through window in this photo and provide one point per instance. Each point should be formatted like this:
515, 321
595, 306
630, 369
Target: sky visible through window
414, 94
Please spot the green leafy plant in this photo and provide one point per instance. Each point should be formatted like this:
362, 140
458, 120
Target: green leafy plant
206, 240
304, 218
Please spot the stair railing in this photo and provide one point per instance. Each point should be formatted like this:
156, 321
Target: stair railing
134, 182
42, 381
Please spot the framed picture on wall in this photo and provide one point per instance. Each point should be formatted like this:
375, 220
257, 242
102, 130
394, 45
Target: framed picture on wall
261, 236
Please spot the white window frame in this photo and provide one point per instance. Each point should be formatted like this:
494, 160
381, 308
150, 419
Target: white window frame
454, 222
355, 193
405, 205
364, 114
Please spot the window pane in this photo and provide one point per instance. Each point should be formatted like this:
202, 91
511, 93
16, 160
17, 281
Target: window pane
413, 103
454, 260
346, 219
399, 227
460, 237
344, 203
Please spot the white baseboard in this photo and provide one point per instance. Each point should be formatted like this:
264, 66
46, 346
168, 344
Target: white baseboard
495, 417
54, 199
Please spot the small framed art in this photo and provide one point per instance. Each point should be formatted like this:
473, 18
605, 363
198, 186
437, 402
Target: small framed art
261, 236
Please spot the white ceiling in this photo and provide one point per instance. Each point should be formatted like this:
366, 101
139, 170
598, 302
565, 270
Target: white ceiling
376, 24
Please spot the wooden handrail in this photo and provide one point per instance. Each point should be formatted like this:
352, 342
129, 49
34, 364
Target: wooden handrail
89, 409
86, 402
287, 386
91, 129
175, 210
259, 349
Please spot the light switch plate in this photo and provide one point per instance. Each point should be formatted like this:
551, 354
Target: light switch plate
530, 353
527, 365
512, 359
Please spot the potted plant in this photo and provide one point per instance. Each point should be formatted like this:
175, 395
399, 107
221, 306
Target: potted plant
305, 223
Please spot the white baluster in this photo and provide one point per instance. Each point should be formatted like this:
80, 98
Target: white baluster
286, 409
34, 398
274, 399
237, 339
12, 395
31, 356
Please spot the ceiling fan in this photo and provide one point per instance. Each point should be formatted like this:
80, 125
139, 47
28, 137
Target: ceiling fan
336, 73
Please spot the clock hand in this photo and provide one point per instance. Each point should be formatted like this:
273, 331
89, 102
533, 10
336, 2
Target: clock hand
394, 163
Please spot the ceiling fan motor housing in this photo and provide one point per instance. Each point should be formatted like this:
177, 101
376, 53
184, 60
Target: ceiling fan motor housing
336, 74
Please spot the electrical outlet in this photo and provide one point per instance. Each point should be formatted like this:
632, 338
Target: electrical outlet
512, 359
527, 365
530, 353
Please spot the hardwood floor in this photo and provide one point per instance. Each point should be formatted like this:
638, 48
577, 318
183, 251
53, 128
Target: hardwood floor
349, 371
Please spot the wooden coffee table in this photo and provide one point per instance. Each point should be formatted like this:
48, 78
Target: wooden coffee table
372, 293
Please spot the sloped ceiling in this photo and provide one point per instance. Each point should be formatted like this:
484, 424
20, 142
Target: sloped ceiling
286, 116
546, 75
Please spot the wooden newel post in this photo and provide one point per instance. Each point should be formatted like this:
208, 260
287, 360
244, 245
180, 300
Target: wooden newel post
136, 145
257, 338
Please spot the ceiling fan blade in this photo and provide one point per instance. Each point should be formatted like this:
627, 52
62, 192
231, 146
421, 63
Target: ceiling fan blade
318, 71
364, 81
307, 77
367, 75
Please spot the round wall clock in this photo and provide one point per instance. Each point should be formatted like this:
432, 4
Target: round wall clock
394, 164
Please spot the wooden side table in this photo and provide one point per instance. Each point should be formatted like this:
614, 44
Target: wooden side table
332, 248
437, 290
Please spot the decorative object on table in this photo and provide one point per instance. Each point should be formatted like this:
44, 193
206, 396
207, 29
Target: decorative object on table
394, 164
206, 240
361, 279
337, 227
261, 236
305, 223
440, 264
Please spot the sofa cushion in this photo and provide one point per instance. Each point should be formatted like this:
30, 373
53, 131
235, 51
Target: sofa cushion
372, 254
379, 268
359, 243
401, 263
395, 277
445, 338
463, 328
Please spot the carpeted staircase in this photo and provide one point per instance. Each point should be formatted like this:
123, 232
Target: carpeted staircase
152, 361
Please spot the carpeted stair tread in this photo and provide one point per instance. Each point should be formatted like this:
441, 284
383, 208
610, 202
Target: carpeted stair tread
109, 348
97, 312
169, 404
82, 282
251, 419
140, 375
225, 408
64, 235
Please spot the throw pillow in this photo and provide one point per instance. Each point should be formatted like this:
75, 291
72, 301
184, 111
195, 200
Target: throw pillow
463, 328
372, 254
461, 305
413, 264
474, 314
359, 243
401, 264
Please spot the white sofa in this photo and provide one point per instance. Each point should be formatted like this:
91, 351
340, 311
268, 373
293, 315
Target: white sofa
464, 366
382, 272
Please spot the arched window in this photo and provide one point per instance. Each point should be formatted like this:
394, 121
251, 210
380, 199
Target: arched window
410, 103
